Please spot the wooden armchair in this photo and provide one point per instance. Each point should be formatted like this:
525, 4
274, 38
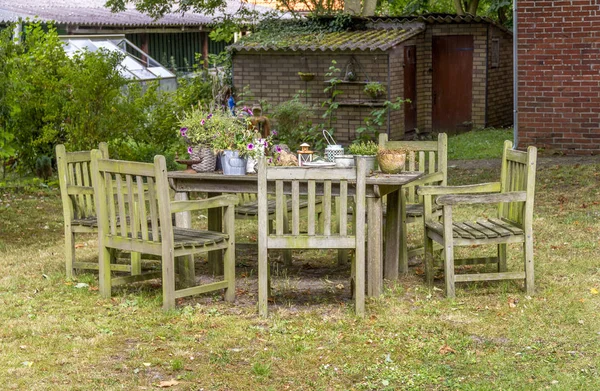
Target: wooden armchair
129, 194
328, 183
429, 157
79, 208
514, 195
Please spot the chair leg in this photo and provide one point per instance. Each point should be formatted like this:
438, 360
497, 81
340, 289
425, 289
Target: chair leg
449, 268
529, 271
136, 263
263, 280
287, 254
168, 279
502, 268
428, 259
403, 262
105, 258
69, 252
229, 273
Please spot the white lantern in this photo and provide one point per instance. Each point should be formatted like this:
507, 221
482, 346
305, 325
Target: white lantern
304, 154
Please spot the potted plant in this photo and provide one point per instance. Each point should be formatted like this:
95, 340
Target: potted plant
391, 161
366, 149
306, 76
374, 89
219, 132
198, 136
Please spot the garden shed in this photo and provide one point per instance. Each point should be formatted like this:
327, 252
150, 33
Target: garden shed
456, 71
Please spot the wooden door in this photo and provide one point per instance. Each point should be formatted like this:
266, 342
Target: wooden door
452, 84
410, 87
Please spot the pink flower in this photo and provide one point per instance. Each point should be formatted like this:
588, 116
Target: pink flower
250, 147
274, 133
190, 150
183, 132
202, 122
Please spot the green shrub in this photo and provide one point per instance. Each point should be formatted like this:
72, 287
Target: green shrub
294, 125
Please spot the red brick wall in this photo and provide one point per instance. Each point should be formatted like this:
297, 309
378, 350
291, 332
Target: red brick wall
559, 75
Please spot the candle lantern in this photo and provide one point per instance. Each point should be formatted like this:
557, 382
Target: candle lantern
304, 154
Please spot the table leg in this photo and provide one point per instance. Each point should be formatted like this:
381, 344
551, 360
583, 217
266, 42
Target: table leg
185, 264
374, 247
392, 237
215, 223
403, 233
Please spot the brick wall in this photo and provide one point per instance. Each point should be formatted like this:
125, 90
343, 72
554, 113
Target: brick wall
424, 74
559, 75
273, 76
500, 79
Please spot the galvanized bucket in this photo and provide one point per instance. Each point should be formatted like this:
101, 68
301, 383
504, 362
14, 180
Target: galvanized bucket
332, 149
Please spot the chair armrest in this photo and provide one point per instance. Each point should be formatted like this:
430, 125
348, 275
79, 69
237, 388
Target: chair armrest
208, 203
515, 196
434, 177
493, 187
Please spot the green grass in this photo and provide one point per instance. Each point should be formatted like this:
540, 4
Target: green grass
478, 144
55, 336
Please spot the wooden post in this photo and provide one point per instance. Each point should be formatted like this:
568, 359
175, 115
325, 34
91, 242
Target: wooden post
185, 265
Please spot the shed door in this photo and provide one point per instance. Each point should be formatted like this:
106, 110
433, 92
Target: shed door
452, 82
410, 87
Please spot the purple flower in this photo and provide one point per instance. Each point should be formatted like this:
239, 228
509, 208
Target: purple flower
202, 122
209, 116
278, 148
274, 133
183, 132
269, 160
250, 147
190, 150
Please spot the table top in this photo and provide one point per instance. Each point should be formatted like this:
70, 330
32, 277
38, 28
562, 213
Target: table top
377, 178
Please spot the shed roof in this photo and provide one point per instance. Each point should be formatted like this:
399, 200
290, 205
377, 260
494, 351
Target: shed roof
380, 39
94, 13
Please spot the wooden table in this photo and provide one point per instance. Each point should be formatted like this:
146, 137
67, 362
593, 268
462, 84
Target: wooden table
378, 185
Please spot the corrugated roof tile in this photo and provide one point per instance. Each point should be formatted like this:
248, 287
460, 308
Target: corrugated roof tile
346, 40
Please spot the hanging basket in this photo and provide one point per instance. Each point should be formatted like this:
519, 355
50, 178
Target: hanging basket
207, 158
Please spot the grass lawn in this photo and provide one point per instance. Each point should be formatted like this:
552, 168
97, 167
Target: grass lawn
57, 335
478, 144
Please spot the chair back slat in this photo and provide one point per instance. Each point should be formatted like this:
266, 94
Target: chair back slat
152, 207
312, 207
295, 208
343, 206
76, 183
423, 156
280, 207
328, 186
110, 194
129, 197
326, 208
518, 174
143, 217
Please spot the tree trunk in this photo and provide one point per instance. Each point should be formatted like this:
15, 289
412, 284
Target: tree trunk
352, 7
473, 6
459, 7
369, 7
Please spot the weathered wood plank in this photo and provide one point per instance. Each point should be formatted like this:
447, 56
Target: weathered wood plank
279, 209
309, 242
473, 232
484, 230
509, 227
492, 187
311, 207
466, 199
295, 208
496, 228
490, 276
327, 209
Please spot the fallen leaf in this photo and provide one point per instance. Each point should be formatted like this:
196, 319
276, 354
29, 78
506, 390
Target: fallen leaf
512, 302
80, 285
445, 349
593, 291
79, 245
147, 364
168, 383
341, 286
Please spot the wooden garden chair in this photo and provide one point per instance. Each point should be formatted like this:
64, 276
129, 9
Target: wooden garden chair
429, 157
514, 195
129, 194
327, 183
79, 208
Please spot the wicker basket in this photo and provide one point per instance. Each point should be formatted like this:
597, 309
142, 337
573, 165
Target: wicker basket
207, 157
391, 161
